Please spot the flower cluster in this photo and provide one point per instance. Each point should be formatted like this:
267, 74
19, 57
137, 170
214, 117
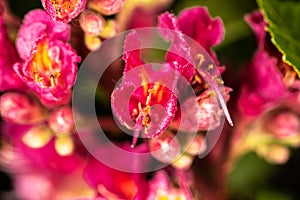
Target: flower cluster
174, 108
270, 124
38, 120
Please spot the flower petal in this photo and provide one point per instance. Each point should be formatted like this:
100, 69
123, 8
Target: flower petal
50, 71
37, 24
179, 51
208, 32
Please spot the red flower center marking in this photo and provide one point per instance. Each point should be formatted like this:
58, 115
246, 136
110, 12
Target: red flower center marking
141, 101
43, 68
64, 7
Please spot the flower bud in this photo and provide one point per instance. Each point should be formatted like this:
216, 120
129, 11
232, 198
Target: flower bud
91, 22
165, 148
92, 43
64, 145
197, 146
20, 109
110, 29
275, 154
183, 162
284, 124
107, 7
37, 136
61, 120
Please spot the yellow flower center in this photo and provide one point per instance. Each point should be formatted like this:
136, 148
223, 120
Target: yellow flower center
43, 69
64, 7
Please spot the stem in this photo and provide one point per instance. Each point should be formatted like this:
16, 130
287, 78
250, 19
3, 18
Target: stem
184, 185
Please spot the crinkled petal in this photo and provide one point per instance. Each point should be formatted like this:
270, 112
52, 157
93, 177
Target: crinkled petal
60, 92
197, 23
37, 24
135, 89
132, 52
179, 52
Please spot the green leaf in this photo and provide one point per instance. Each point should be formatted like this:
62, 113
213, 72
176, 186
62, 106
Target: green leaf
283, 18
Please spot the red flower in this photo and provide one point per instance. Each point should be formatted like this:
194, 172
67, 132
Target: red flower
148, 90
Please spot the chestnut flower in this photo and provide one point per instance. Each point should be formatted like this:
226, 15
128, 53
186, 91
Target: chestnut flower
49, 63
144, 96
268, 102
151, 90
267, 88
63, 11
192, 73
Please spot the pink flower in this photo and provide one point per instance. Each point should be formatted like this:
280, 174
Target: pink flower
146, 89
63, 11
264, 84
180, 50
8, 56
49, 66
37, 25
113, 184
146, 120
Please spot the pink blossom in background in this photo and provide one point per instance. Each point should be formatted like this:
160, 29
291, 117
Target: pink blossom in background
113, 184
264, 82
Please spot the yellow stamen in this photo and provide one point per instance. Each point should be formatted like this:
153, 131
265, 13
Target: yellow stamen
201, 59
52, 80
210, 66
